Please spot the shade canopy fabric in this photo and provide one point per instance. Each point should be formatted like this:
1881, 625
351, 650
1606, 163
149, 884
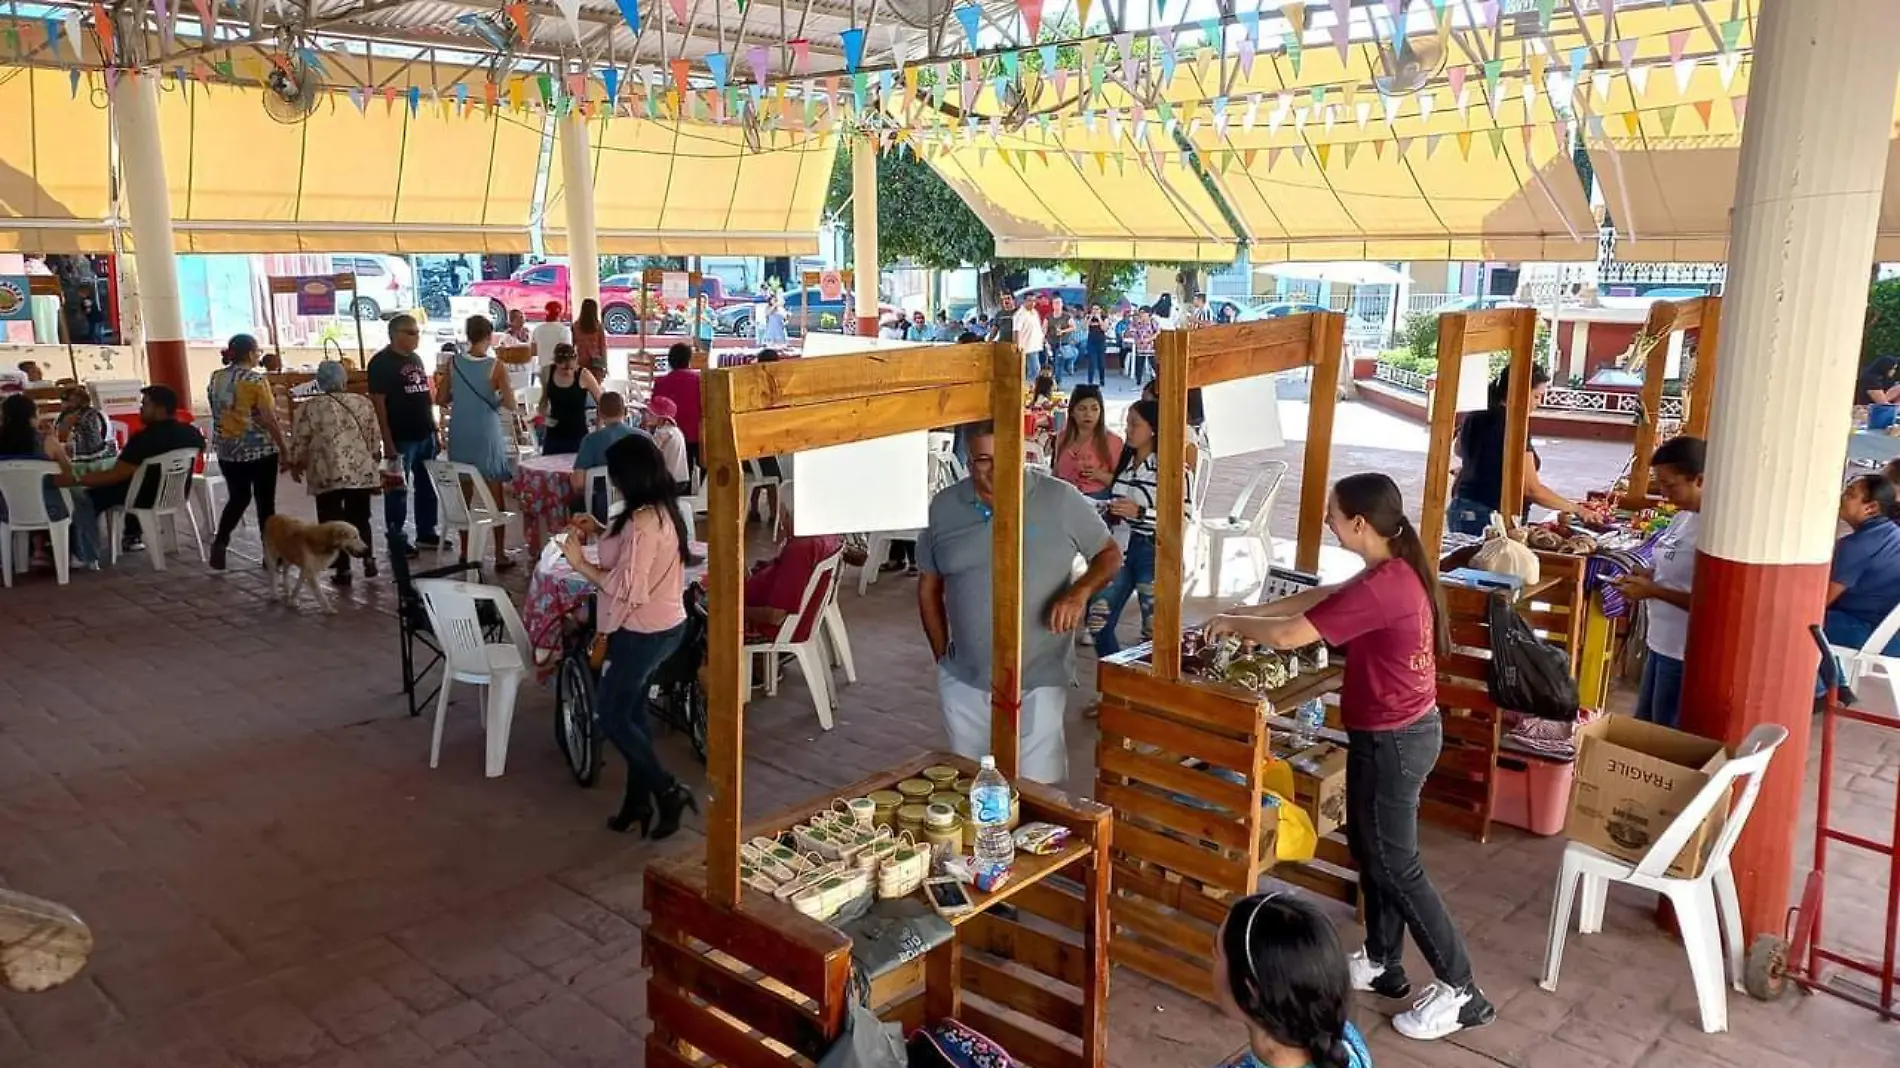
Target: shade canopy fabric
694, 188
55, 193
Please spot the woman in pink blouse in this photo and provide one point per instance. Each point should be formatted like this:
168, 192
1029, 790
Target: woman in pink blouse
1087, 450
640, 607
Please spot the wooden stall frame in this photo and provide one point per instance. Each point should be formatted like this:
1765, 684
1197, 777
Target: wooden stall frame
48, 285
650, 279
1207, 356
761, 410
1702, 314
1462, 334
809, 280
278, 285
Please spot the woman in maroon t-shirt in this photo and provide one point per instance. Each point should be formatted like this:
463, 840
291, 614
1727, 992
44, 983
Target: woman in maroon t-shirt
1390, 620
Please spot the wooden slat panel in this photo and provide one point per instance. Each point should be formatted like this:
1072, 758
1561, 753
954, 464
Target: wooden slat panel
1053, 901
943, 981
898, 983
1334, 850
1190, 977
1207, 344
744, 998
661, 1054
1180, 933
1517, 412
987, 979
1181, 896
807, 956
1024, 1046
1113, 760
1187, 859
1701, 399
725, 626
1056, 957
772, 431
1225, 709
790, 383
1177, 738
1171, 360
673, 1011
1131, 802
1443, 420
1234, 364
911, 1013
1487, 331
1319, 880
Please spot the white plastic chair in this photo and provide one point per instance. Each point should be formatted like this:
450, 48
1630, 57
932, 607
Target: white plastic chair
468, 656
1237, 525
172, 473
206, 485
1707, 910
1870, 672
814, 660
477, 518
599, 484
22, 486
755, 480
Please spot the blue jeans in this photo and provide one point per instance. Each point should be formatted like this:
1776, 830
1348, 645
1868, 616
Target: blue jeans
1466, 516
1066, 358
396, 501
1096, 354
1659, 698
621, 703
1136, 579
1032, 363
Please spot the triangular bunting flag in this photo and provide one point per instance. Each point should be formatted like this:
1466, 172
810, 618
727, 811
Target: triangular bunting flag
1464, 143
1632, 123
1352, 149
1639, 80
1704, 110
970, 16
1497, 142
1626, 51
1685, 71
853, 41
1431, 144
1738, 104
1400, 146
1032, 17
1726, 65
630, 11
1731, 34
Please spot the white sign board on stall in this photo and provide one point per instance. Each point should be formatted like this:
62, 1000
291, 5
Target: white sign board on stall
676, 287
880, 484
1243, 416
1474, 382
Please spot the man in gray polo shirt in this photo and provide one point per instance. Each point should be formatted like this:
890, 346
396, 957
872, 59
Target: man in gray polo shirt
953, 597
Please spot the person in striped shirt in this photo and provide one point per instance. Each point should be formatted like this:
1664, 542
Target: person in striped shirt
1131, 518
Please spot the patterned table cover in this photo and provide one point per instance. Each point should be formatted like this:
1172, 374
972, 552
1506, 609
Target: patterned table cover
556, 590
543, 488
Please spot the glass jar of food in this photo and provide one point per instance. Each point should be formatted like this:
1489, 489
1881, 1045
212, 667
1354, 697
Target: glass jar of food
915, 789
884, 804
911, 818
941, 776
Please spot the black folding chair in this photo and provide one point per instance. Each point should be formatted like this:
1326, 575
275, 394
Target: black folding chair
412, 623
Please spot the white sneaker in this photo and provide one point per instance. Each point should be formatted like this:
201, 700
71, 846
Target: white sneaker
1444, 1011
1370, 978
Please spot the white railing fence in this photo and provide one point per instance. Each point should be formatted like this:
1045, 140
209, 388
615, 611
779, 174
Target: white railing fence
1582, 401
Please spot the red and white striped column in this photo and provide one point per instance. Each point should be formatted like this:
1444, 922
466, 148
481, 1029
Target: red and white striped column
1814, 155
148, 198
864, 233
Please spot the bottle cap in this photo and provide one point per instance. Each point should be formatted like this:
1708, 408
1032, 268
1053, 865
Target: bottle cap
988, 763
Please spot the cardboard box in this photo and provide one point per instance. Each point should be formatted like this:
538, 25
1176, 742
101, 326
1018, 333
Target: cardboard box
1633, 780
1319, 784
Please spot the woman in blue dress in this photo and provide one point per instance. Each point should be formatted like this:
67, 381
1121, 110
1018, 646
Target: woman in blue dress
481, 414
1279, 969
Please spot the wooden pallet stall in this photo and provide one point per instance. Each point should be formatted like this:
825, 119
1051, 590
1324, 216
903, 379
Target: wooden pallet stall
744, 980
1473, 334
1183, 760
1703, 316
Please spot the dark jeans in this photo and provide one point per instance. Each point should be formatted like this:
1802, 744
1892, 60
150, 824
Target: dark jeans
903, 553
1095, 362
247, 479
352, 507
1466, 516
1385, 771
1848, 632
1137, 579
632, 658
1659, 698
396, 501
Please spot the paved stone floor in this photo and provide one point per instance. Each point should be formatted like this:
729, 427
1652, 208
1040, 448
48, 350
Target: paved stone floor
233, 796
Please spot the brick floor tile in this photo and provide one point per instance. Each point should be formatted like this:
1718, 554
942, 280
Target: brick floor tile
272, 1034
512, 998
394, 1049
509, 1048
455, 1024
576, 1034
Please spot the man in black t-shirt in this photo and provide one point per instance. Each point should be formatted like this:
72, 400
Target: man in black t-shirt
399, 388
161, 433
1880, 382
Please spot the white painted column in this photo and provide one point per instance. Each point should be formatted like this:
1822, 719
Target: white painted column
1579, 347
583, 244
864, 233
1814, 155
148, 200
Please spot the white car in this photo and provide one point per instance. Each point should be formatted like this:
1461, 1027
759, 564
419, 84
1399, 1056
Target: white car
385, 285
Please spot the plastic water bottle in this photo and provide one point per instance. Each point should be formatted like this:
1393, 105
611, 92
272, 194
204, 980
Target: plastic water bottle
1307, 720
989, 807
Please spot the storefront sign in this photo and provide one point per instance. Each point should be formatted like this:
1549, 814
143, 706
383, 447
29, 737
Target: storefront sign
316, 295
16, 303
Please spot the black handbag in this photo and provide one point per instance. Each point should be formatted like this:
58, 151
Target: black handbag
1527, 674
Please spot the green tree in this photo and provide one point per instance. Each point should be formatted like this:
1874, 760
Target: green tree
1882, 334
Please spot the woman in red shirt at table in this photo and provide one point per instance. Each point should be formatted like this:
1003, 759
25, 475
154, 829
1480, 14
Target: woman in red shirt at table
640, 607
1390, 620
1087, 450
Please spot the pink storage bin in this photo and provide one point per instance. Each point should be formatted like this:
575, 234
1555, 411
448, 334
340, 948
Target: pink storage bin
1533, 793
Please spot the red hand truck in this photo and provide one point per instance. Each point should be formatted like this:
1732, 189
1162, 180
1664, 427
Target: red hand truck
1798, 955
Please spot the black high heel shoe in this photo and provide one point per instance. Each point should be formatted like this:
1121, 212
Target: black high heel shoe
673, 802
634, 811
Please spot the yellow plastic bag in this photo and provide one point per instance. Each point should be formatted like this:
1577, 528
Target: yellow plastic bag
1297, 840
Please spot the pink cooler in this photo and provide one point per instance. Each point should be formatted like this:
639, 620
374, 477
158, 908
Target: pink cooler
1533, 793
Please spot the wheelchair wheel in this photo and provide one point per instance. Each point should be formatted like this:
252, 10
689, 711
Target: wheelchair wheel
694, 698
575, 728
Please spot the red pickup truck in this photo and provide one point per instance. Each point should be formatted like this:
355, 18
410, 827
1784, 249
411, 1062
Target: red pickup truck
530, 289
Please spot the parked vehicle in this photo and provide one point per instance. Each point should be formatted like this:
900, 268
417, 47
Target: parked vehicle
1279, 309
1476, 303
737, 320
530, 289
385, 285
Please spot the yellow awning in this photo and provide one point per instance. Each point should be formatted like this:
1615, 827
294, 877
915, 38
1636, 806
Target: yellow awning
54, 147
693, 188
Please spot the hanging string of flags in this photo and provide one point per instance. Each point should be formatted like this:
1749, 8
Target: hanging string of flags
904, 108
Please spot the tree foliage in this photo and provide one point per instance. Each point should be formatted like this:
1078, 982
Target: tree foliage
1882, 334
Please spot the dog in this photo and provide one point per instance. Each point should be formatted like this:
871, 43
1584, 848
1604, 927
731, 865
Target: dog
310, 547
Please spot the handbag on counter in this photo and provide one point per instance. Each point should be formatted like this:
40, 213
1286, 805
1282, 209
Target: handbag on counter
955, 1044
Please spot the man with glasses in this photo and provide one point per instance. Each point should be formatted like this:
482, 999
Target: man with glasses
953, 597
399, 388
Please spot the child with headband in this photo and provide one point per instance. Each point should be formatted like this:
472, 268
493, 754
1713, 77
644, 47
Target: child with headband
1279, 968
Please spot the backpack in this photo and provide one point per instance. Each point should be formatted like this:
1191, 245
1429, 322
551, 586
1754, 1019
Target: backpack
1527, 674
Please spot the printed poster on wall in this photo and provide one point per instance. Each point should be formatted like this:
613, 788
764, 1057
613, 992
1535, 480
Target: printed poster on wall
316, 295
16, 298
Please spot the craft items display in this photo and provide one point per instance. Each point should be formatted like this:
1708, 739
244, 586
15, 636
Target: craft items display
1241, 663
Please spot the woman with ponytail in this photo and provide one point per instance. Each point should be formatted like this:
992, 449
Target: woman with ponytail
1279, 969
1390, 620
1863, 584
